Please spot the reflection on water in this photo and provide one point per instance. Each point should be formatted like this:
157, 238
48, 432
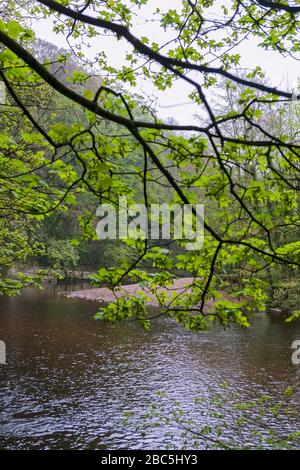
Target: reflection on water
69, 379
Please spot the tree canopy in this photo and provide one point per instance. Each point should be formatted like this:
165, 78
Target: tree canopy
242, 157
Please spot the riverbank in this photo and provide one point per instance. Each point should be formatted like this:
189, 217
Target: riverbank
51, 276
180, 287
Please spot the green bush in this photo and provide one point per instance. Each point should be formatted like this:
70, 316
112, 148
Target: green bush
285, 295
62, 254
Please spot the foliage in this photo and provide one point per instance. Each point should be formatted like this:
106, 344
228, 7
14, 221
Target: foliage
285, 295
109, 142
63, 254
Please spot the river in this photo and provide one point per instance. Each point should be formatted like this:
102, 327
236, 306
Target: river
69, 379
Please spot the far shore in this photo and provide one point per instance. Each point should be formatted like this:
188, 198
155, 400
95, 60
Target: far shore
180, 287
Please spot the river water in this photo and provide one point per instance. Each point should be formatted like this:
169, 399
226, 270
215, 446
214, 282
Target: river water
69, 379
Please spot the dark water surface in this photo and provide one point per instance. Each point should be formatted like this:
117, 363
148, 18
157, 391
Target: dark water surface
69, 379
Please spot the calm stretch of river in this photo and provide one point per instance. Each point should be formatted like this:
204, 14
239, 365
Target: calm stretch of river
69, 379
